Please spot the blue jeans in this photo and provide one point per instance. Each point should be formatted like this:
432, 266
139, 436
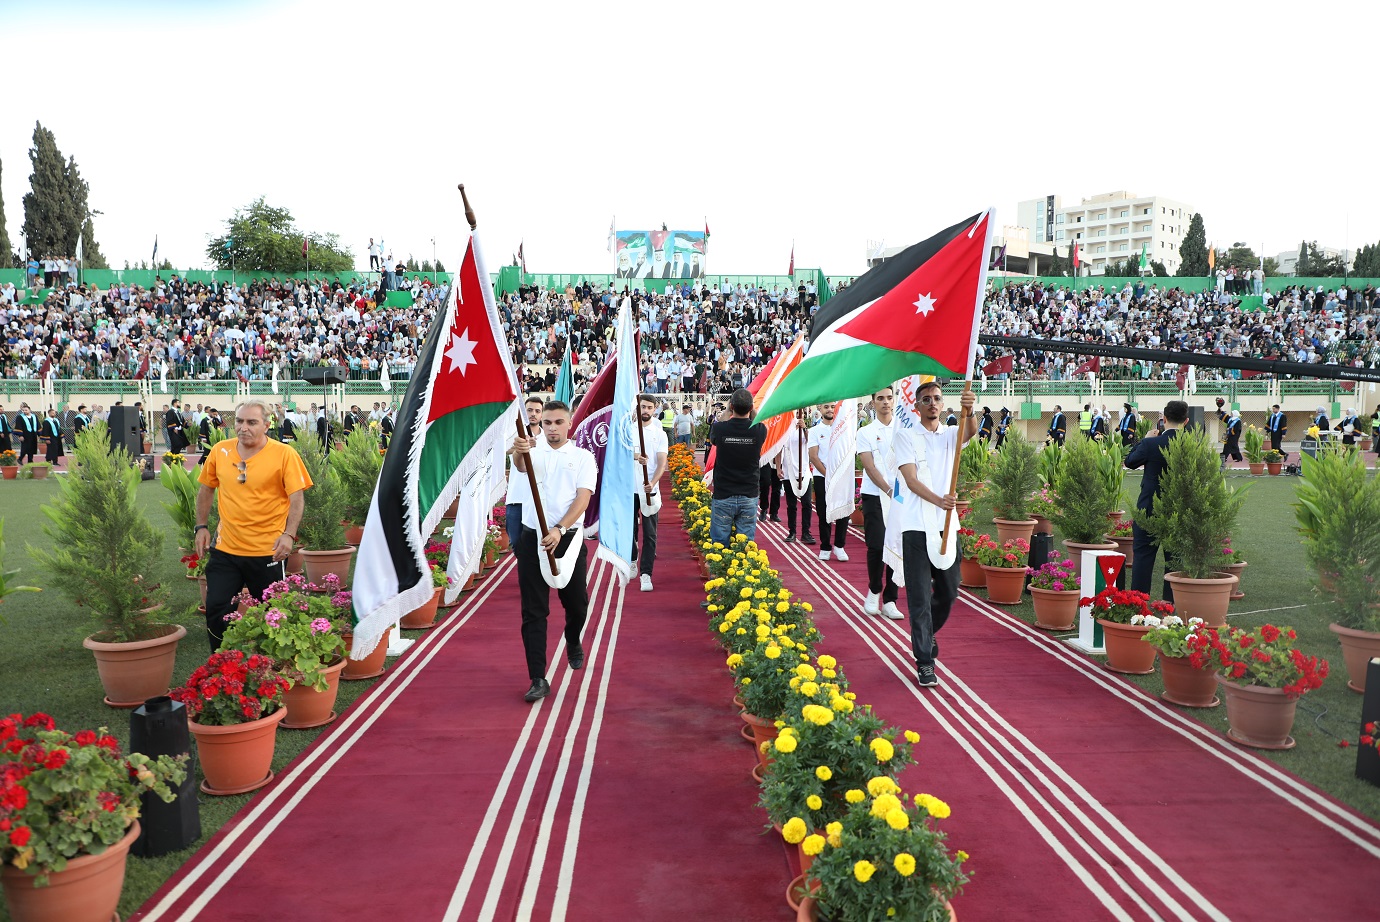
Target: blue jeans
733, 515
513, 522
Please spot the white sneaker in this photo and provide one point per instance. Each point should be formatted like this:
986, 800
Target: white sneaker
870, 607
825, 555
890, 610
646, 583
840, 554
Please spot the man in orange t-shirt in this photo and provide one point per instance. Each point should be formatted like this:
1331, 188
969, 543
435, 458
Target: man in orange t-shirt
259, 482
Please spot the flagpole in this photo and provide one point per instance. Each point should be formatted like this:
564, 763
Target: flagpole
637, 417
521, 422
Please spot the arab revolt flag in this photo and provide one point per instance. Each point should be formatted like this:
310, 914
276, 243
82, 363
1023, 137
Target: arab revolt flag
916, 313
457, 408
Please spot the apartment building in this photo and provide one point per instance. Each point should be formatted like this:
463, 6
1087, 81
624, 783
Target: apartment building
1110, 227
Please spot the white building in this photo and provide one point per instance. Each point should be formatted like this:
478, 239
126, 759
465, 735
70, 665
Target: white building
1110, 227
1289, 259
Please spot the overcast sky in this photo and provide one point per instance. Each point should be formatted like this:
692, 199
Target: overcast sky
823, 124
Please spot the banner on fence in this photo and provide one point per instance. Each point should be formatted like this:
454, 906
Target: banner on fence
663, 254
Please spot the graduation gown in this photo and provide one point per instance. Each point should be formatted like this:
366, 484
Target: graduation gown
52, 437
27, 425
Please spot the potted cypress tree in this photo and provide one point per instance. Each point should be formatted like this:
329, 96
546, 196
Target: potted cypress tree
357, 465
324, 550
1195, 514
105, 557
1014, 475
1086, 495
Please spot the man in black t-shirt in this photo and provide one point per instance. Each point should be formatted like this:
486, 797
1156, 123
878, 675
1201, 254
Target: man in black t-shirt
739, 450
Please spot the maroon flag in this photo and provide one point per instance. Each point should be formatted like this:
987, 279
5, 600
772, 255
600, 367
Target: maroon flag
1247, 374
791, 270
1002, 366
143, 371
1181, 379
304, 246
242, 379
1075, 256
47, 365
1093, 365
522, 260
589, 428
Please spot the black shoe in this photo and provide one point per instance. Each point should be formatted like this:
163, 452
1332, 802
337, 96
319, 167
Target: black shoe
790, 536
575, 655
775, 518
761, 516
704, 604
925, 677
540, 689
808, 539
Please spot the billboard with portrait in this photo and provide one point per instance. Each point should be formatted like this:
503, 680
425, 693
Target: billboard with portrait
664, 254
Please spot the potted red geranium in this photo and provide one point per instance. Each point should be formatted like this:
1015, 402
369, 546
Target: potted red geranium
234, 705
1122, 612
1263, 674
69, 807
1004, 568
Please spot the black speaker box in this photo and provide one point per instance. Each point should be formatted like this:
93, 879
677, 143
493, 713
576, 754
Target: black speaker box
1196, 419
328, 374
124, 430
158, 727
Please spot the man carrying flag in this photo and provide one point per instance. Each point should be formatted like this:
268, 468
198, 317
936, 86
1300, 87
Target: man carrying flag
832, 533
653, 461
879, 473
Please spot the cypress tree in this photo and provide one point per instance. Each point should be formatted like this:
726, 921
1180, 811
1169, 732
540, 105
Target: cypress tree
1193, 261
6, 248
56, 213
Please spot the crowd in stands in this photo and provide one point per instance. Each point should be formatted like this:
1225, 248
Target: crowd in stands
698, 337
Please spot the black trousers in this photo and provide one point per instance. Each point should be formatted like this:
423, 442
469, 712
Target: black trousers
536, 602
226, 575
1231, 449
28, 446
769, 484
803, 502
930, 595
1277, 441
1145, 550
879, 575
645, 553
828, 540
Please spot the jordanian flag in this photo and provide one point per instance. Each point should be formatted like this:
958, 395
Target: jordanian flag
456, 409
916, 313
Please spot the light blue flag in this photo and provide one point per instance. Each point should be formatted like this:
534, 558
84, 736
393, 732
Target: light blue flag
565, 378
618, 479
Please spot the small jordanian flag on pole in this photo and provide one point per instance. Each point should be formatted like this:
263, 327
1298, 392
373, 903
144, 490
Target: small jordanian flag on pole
916, 313
457, 407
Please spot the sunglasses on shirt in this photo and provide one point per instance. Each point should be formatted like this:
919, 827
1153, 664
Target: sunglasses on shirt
241, 466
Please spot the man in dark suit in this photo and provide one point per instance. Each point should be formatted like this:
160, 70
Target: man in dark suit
1058, 426
1149, 454
6, 430
1277, 426
172, 427
80, 422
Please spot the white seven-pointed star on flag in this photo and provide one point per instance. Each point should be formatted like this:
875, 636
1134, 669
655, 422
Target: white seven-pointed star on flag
461, 352
924, 304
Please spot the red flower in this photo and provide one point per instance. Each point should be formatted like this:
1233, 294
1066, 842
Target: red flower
1269, 633
1345, 744
56, 759
42, 721
85, 738
109, 742
20, 837
1245, 640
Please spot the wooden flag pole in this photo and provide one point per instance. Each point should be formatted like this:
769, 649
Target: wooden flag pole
953, 476
637, 418
800, 452
521, 427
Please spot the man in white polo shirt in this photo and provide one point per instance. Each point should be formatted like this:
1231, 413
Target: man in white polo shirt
566, 477
654, 461
518, 490
924, 458
879, 471
831, 534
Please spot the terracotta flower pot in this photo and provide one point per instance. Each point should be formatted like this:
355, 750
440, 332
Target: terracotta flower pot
354, 534
9, 471
87, 890
503, 542
239, 758
490, 557
1186, 684
1116, 516
201, 587
1005, 585
1273, 468
1009, 529
1127, 651
1055, 610
1358, 647
320, 564
294, 560
424, 615
307, 707
1257, 469
763, 731
1076, 548
856, 517
131, 673
1258, 717
1043, 526
704, 568
1125, 547
970, 573
1238, 570
1202, 598
372, 665
809, 911
40, 473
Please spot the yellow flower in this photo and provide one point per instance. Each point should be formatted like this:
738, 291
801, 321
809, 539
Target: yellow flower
807, 606
794, 830
813, 802
882, 749
840, 704
813, 844
763, 632
933, 806
808, 689
772, 651
760, 594
795, 683
835, 828
723, 628
817, 715
829, 673
961, 855
787, 643
827, 662
912, 737
884, 804
863, 871
782, 607
854, 796
735, 660
824, 773
747, 680
882, 785
904, 864
785, 744
741, 631
897, 819
805, 671
746, 593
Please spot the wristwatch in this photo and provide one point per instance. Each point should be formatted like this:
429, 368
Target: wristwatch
201, 528
560, 529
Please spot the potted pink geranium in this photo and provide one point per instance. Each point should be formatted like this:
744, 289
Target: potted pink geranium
1054, 589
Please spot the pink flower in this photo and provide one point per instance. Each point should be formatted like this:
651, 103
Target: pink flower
274, 616
320, 626
1058, 585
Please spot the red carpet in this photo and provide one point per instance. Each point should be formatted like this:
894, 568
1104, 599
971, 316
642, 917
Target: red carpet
442, 795
1077, 795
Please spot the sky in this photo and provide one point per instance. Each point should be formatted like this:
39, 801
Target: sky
808, 125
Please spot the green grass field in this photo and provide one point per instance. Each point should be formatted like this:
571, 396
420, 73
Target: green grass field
43, 666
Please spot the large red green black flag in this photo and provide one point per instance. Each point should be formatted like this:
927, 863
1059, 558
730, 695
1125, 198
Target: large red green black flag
457, 409
916, 313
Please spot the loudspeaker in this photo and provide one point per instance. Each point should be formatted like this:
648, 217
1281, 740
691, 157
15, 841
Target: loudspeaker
1196, 419
158, 727
329, 374
124, 430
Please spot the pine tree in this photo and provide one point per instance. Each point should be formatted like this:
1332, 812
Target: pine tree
1193, 261
56, 212
1366, 265
91, 256
6, 248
